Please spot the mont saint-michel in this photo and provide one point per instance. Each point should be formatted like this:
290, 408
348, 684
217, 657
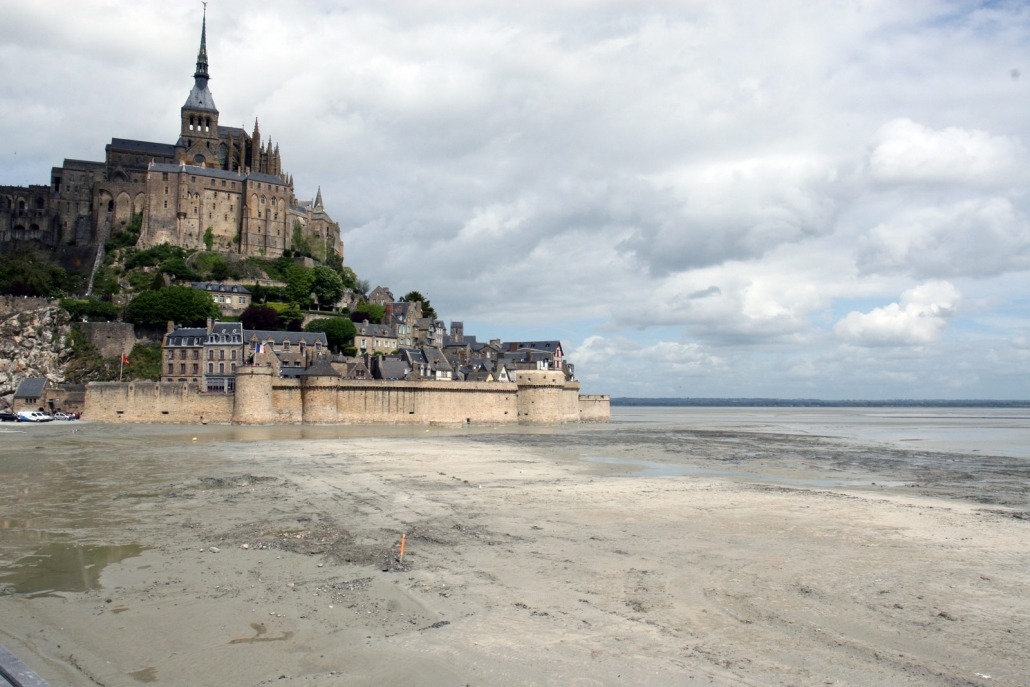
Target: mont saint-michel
193, 274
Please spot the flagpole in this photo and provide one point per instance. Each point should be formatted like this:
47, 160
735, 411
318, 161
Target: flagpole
121, 366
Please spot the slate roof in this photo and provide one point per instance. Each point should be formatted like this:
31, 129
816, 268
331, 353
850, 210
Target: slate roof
83, 165
198, 336
214, 173
145, 147
392, 369
550, 346
31, 387
320, 368
295, 338
215, 287
381, 330
187, 336
200, 98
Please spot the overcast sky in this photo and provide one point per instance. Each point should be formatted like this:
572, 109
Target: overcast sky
784, 199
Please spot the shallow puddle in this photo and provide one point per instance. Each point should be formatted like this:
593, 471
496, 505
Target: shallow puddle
59, 567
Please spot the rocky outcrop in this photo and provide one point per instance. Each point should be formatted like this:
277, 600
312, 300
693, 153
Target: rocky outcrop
33, 343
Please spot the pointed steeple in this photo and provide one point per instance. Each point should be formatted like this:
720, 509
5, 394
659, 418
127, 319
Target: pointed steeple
201, 72
318, 199
257, 130
200, 98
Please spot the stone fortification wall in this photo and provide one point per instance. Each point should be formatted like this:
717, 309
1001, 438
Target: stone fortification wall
595, 408
263, 398
13, 304
425, 402
545, 396
171, 402
110, 338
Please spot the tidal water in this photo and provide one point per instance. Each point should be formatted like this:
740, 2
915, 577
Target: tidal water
63, 485
986, 431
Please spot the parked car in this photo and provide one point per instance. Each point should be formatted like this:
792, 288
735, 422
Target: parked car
63, 416
8, 417
33, 416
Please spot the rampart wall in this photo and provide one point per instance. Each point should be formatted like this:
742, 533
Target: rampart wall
263, 398
171, 402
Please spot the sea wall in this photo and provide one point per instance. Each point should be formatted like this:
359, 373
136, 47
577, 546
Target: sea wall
171, 402
263, 398
595, 408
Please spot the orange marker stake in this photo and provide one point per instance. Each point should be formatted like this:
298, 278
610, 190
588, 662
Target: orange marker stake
402, 548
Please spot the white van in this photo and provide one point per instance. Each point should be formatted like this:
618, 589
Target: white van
33, 416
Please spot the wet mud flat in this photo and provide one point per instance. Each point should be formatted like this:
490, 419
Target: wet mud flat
794, 460
595, 556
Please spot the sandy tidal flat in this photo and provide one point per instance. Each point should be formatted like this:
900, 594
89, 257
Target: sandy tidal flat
262, 562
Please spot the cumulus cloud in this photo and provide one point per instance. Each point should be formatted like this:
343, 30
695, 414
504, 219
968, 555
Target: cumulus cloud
908, 152
981, 237
733, 211
917, 319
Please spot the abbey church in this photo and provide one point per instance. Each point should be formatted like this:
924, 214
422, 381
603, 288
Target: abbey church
215, 183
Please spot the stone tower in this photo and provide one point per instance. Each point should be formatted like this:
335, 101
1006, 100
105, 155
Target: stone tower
199, 143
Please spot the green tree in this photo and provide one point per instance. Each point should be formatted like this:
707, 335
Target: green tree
178, 269
427, 309
372, 312
327, 286
290, 316
144, 363
28, 271
338, 331
93, 309
209, 238
260, 317
179, 304
154, 255
299, 281
300, 242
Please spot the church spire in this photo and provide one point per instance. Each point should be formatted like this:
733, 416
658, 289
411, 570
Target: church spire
200, 98
201, 72
318, 199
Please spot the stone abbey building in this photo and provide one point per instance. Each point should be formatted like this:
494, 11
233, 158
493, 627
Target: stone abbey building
218, 178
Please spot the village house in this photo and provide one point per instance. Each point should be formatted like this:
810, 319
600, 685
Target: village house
208, 356
231, 299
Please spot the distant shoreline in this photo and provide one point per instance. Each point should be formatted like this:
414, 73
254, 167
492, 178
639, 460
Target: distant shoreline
811, 403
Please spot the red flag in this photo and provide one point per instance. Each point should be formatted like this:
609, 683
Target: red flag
125, 360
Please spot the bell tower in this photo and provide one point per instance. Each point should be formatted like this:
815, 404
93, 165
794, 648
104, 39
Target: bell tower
198, 136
